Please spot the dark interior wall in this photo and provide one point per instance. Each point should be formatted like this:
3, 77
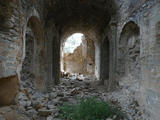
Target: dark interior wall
158, 31
56, 58
33, 65
105, 58
52, 46
49, 34
27, 72
110, 40
156, 48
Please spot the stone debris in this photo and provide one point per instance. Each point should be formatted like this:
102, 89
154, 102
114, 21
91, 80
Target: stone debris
44, 106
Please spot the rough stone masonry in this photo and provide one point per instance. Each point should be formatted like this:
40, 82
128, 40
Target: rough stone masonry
125, 33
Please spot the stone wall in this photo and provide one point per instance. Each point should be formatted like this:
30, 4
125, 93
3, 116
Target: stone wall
82, 60
75, 62
15, 18
10, 55
144, 49
52, 47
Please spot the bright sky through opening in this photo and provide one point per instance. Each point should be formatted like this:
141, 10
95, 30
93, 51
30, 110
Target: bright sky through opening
73, 42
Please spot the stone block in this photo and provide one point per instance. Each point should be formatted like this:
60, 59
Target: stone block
8, 90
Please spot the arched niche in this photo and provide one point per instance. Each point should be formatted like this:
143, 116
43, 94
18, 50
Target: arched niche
34, 54
129, 50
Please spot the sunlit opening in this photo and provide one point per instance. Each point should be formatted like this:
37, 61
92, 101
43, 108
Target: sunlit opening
73, 42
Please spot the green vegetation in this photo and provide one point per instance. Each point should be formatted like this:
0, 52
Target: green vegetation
89, 109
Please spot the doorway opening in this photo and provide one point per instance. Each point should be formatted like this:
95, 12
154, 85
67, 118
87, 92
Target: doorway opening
78, 55
33, 56
27, 72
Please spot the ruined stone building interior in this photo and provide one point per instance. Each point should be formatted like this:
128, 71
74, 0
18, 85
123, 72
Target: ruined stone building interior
54, 50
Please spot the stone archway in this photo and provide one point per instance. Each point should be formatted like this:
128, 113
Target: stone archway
27, 72
129, 50
9, 56
34, 62
82, 59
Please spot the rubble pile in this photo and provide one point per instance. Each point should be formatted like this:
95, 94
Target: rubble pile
34, 105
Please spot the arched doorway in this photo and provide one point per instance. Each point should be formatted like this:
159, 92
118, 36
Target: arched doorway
27, 73
78, 55
33, 73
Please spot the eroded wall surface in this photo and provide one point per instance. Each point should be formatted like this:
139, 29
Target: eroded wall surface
140, 53
82, 60
74, 62
10, 55
14, 18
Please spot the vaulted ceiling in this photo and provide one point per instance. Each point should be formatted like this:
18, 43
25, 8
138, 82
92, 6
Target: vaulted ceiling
87, 13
